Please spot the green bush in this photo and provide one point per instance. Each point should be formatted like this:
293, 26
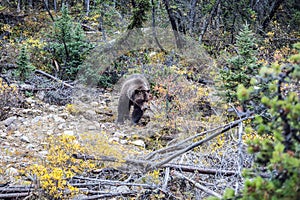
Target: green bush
280, 155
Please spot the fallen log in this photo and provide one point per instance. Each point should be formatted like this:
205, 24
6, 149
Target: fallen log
54, 78
14, 195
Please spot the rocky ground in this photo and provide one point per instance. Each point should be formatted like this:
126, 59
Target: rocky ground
22, 135
92, 111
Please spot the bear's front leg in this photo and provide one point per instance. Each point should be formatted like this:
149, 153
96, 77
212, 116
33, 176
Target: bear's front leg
137, 114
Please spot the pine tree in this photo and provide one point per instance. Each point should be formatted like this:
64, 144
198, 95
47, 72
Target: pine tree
25, 68
241, 68
69, 45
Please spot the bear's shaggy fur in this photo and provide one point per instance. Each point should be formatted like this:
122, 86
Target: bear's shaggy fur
135, 92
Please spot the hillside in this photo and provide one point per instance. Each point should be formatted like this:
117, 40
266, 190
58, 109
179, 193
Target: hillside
222, 120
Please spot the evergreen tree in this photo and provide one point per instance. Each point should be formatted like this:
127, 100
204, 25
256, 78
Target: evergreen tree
241, 68
68, 45
140, 9
25, 68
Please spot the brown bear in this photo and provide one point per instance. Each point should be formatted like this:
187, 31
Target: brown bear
135, 92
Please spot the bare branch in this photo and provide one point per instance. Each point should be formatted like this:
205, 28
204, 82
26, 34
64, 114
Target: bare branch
54, 78
198, 185
182, 143
95, 181
167, 176
196, 144
193, 169
14, 195
109, 195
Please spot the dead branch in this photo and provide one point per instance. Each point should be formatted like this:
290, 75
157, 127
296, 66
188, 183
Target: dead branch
109, 195
14, 195
105, 113
148, 164
36, 89
8, 65
166, 178
140, 163
196, 144
101, 194
88, 28
15, 189
183, 143
96, 181
54, 78
185, 168
193, 169
197, 185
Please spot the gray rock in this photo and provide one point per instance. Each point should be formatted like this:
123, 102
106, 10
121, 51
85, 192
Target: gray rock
96, 124
17, 134
11, 172
139, 143
69, 132
92, 127
12, 127
43, 153
80, 197
9, 121
31, 112
58, 119
36, 119
25, 139
90, 114
63, 115
123, 142
94, 104
30, 146
49, 132
3, 134
61, 126
30, 100
120, 134
121, 189
40, 95
52, 108
26, 87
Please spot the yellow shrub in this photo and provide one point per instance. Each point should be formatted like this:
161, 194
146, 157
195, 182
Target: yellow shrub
72, 109
59, 165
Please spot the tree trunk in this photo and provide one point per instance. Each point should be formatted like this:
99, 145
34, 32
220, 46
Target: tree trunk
192, 14
19, 6
179, 42
46, 2
154, 27
273, 9
87, 3
208, 20
101, 27
48, 10
63, 3
55, 5
30, 4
